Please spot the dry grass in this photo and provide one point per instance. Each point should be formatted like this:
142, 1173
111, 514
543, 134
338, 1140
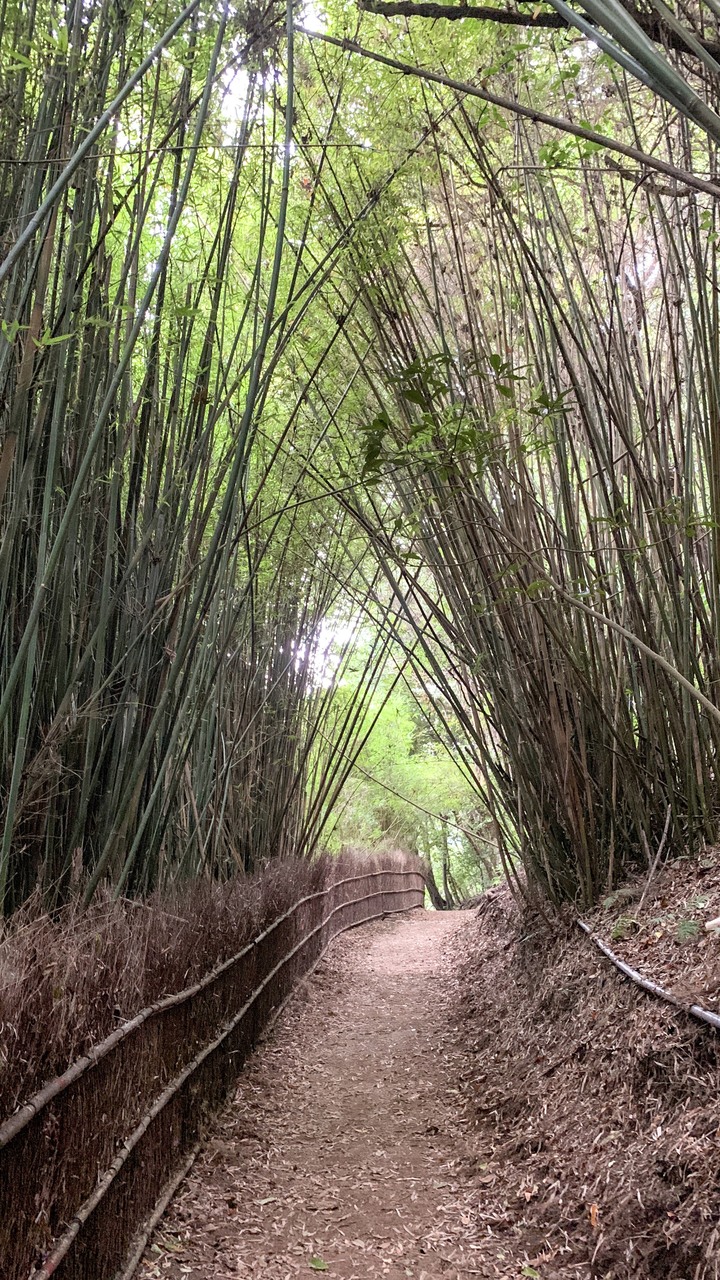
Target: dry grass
69, 979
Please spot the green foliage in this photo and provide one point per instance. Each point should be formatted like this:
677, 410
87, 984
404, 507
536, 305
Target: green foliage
408, 789
623, 927
687, 930
530, 440
428, 366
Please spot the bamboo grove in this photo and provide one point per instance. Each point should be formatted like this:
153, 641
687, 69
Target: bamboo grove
160, 605
291, 336
543, 459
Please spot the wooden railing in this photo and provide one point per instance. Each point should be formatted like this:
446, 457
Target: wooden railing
86, 1161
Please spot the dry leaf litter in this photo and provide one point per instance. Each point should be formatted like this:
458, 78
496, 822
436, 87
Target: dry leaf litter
463, 1094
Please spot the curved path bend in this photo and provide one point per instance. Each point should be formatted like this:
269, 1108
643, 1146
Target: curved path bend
343, 1151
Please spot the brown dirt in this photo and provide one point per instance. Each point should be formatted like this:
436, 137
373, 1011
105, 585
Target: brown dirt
467, 1094
344, 1144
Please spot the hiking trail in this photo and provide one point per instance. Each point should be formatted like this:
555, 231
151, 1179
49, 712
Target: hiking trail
343, 1148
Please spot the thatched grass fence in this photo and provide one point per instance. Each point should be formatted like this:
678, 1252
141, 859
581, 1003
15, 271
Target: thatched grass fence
86, 1161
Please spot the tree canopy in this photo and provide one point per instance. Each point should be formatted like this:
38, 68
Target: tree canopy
359, 454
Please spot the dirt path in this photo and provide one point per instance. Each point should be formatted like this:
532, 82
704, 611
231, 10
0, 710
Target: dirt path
343, 1150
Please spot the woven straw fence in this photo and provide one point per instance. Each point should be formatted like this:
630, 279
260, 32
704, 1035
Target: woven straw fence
85, 1163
